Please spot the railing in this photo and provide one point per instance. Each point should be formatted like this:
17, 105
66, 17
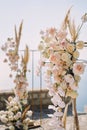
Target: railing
37, 82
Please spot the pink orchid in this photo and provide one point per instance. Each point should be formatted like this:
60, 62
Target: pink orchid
61, 92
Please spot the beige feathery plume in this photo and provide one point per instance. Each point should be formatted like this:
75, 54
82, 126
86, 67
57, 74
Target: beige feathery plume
26, 55
66, 19
20, 31
25, 60
73, 30
18, 35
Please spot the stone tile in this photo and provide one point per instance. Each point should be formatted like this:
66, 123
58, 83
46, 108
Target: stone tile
45, 122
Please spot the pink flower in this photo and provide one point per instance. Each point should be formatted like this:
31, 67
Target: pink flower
63, 44
53, 46
78, 68
53, 58
62, 35
52, 31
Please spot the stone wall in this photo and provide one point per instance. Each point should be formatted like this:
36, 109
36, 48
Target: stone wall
39, 99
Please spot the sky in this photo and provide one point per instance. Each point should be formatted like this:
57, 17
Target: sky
37, 15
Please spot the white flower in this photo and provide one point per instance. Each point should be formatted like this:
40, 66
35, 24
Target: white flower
79, 44
4, 119
12, 103
76, 54
50, 115
10, 118
29, 113
2, 112
26, 121
15, 108
10, 113
25, 127
10, 98
61, 92
69, 78
70, 48
24, 101
11, 127
52, 107
65, 57
56, 99
61, 104
18, 114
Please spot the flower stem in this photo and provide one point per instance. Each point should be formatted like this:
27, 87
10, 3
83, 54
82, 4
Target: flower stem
65, 116
75, 115
64, 119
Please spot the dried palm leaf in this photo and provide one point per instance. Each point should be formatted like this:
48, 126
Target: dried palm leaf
18, 35
25, 59
7, 102
66, 19
26, 55
73, 30
24, 112
20, 30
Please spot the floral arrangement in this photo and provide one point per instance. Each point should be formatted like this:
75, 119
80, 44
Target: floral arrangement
59, 54
18, 113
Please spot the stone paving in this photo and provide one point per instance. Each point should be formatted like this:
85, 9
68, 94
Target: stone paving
69, 126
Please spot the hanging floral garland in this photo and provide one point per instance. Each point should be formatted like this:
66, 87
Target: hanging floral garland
59, 55
18, 113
